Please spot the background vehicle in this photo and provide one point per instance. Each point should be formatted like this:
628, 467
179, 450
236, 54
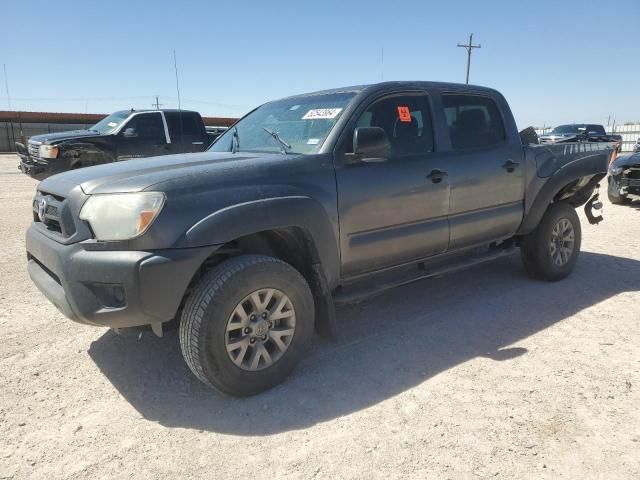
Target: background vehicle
580, 132
215, 132
636, 148
624, 179
306, 201
122, 135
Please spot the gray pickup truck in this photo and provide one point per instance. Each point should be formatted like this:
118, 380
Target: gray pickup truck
307, 201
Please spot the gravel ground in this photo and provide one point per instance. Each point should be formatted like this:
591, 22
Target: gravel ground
478, 374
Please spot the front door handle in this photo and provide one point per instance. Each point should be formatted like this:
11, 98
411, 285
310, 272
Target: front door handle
510, 165
436, 175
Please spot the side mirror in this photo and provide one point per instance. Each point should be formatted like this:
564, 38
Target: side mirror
130, 133
370, 144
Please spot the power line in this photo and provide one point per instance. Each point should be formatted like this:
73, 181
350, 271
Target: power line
469, 47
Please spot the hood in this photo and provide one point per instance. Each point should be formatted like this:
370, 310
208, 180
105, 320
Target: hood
142, 174
53, 138
629, 160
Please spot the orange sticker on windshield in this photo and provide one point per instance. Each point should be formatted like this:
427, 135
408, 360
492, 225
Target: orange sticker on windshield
404, 113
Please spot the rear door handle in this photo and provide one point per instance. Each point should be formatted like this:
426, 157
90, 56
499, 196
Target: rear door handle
436, 175
510, 165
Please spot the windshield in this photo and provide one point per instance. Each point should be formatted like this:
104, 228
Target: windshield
568, 129
110, 123
295, 125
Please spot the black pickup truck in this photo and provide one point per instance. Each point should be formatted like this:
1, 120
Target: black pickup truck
315, 199
120, 136
581, 132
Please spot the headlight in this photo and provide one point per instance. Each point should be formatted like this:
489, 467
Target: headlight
121, 216
48, 151
615, 170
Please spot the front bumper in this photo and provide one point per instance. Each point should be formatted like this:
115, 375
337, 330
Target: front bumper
624, 185
112, 288
38, 169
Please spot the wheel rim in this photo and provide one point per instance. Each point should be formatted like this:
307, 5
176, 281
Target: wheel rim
562, 242
260, 329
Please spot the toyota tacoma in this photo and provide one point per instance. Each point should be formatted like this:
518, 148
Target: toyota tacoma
305, 202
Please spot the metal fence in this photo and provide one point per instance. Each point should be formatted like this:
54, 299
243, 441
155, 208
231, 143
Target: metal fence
630, 135
11, 132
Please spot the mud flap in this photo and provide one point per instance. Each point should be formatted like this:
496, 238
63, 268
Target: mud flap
590, 206
325, 324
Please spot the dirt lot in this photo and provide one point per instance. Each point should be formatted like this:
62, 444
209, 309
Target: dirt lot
478, 374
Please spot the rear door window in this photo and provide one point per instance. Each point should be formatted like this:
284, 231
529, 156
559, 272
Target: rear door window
474, 121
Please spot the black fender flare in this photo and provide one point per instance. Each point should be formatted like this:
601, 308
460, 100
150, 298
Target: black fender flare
594, 168
246, 218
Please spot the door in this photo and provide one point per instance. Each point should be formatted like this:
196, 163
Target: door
144, 135
395, 210
486, 172
187, 131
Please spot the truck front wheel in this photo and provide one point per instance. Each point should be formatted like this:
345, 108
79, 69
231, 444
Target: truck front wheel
247, 324
550, 252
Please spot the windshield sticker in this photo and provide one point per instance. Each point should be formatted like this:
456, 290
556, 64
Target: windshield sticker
319, 113
313, 141
112, 124
404, 113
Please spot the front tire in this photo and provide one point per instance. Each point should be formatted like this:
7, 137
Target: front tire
247, 324
551, 251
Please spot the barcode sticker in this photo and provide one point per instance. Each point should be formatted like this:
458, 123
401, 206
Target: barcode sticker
319, 113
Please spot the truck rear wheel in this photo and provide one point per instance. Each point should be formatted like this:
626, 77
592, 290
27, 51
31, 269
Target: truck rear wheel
550, 252
247, 324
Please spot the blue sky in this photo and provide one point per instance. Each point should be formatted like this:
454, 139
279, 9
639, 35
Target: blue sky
555, 61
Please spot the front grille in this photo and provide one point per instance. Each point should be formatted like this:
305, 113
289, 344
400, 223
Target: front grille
52, 213
634, 172
34, 150
630, 182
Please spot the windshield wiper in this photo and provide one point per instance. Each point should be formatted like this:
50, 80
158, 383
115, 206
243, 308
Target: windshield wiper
235, 140
285, 146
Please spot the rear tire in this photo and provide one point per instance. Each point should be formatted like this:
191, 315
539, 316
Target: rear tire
217, 317
551, 251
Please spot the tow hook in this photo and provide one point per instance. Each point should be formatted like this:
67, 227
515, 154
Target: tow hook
591, 205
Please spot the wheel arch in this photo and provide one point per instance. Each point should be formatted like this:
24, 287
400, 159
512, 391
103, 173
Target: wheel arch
294, 229
572, 183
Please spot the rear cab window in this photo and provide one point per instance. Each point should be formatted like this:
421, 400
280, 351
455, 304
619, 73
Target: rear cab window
473, 121
187, 125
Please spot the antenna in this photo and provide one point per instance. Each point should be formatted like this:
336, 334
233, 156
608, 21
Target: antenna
175, 66
469, 47
6, 84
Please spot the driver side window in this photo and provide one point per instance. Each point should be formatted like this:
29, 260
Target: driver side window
148, 126
406, 119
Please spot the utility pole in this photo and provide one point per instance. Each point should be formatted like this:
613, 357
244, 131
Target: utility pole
157, 104
469, 47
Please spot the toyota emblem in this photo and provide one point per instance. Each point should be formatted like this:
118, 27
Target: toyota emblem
42, 209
